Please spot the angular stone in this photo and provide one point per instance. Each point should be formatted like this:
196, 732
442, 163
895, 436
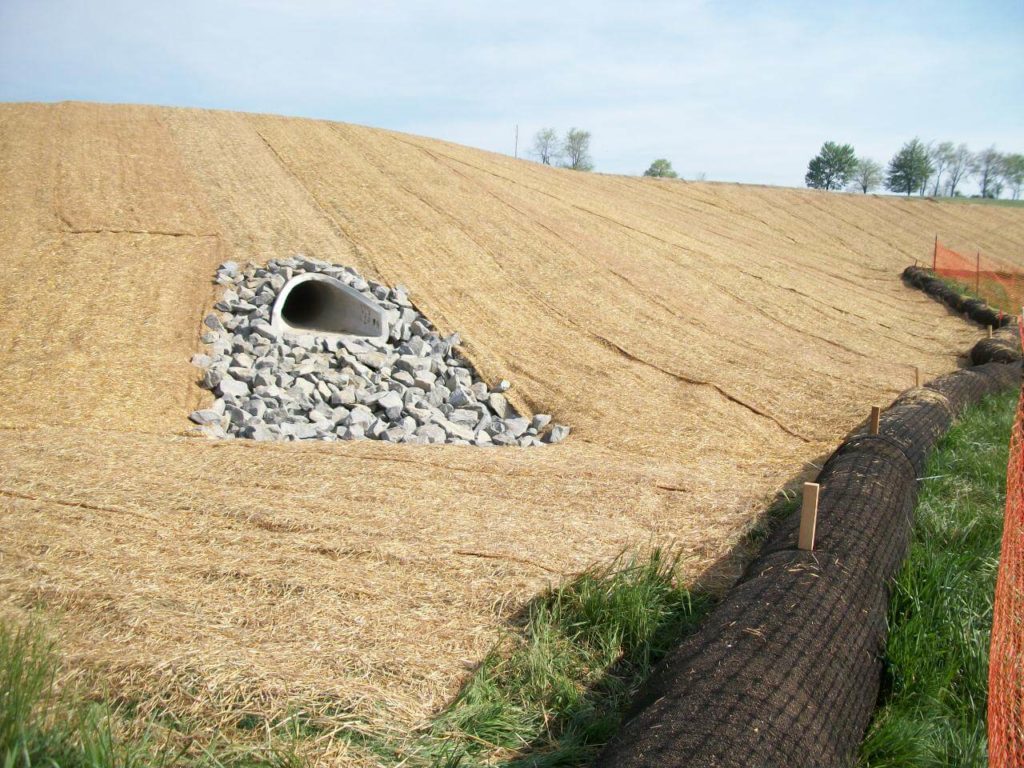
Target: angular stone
344, 396
464, 416
305, 386
517, 426
539, 421
557, 434
212, 378
205, 416
432, 433
212, 321
360, 415
504, 438
461, 397
459, 431
230, 386
499, 405
389, 401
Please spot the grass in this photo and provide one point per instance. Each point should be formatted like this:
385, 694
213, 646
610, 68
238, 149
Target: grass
44, 724
990, 291
982, 201
934, 696
551, 694
554, 692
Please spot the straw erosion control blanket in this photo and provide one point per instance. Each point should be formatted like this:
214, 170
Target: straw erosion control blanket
703, 342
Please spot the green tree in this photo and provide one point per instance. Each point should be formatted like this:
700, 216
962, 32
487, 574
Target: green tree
661, 168
910, 168
576, 150
832, 167
988, 167
545, 145
942, 156
959, 168
867, 175
1013, 173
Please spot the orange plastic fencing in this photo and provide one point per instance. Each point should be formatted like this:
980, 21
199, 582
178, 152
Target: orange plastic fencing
1006, 659
1000, 285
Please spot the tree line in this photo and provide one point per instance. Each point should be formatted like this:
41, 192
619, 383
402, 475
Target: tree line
918, 168
571, 151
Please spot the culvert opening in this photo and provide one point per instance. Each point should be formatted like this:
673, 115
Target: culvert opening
286, 361
322, 305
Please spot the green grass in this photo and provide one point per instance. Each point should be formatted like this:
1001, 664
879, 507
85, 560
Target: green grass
551, 694
554, 693
932, 708
48, 726
981, 201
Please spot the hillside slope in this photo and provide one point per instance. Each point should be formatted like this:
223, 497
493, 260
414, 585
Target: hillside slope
704, 341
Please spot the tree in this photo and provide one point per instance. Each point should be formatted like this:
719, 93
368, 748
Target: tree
959, 168
661, 168
545, 145
942, 155
576, 150
910, 168
832, 167
867, 175
1013, 173
988, 167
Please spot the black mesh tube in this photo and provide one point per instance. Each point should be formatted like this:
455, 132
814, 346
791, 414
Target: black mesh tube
786, 669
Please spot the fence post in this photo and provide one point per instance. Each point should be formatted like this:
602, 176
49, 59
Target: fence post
935, 253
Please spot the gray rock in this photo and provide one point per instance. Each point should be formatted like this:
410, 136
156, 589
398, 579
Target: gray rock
344, 396
230, 386
557, 434
504, 438
517, 426
391, 400
499, 405
205, 416
539, 421
461, 397
360, 415
432, 433
459, 431
212, 378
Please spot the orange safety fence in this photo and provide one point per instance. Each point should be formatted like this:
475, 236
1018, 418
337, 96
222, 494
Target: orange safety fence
1000, 285
1006, 659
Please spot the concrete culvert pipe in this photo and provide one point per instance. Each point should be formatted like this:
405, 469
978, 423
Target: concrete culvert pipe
325, 306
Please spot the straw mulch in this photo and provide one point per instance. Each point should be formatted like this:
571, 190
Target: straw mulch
706, 342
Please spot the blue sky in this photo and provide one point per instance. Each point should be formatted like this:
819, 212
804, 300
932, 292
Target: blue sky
741, 91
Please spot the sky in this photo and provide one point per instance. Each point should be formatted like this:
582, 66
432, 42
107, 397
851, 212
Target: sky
738, 91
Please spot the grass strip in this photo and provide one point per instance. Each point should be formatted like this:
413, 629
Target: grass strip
43, 724
551, 694
932, 707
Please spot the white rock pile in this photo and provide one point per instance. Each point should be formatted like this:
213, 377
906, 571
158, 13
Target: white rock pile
413, 387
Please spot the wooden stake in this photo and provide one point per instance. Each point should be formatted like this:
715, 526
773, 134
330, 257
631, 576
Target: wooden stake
876, 415
990, 331
809, 516
917, 376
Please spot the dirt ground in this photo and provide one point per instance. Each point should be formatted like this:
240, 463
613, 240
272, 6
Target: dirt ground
706, 342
